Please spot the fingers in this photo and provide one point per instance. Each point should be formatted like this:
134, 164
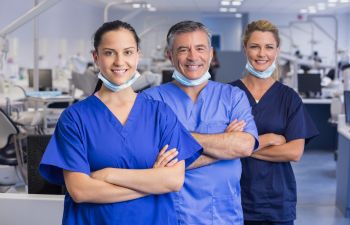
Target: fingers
235, 125
165, 157
172, 162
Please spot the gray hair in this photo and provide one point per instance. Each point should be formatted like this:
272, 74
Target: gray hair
185, 27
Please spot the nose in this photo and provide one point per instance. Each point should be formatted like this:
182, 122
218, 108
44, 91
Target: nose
192, 54
261, 52
118, 60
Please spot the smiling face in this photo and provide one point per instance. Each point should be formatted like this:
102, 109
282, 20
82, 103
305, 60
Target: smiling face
261, 50
117, 55
191, 54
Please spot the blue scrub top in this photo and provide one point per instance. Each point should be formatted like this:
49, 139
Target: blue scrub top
211, 194
269, 188
88, 137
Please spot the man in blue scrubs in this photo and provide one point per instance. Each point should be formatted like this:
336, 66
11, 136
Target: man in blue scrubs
219, 117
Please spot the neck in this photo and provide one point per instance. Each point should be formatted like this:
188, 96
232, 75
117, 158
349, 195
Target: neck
255, 82
122, 96
192, 91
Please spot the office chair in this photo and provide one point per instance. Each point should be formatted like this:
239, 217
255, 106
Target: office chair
12, 161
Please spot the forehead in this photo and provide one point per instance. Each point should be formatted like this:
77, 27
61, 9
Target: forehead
120, 37
197, 37
262, 37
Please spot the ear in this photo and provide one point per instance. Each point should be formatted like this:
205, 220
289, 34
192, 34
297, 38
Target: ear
94, 56
211, 53
169, 55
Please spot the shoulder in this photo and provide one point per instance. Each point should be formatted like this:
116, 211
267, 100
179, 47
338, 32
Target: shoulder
156, 92
288, 93
78, 109
153, 103
228, 89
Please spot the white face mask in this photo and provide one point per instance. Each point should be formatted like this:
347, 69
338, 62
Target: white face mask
189, 83
261, 74
113, 87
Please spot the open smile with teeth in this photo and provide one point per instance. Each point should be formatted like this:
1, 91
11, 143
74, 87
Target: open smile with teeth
119, 71
193, 67
261, 62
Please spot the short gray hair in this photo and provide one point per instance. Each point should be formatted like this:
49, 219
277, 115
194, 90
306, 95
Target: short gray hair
185, 27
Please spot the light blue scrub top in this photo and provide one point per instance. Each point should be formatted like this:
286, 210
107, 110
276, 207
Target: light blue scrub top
88, 137
211, 194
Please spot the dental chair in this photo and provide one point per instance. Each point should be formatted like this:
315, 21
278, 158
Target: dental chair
12, 157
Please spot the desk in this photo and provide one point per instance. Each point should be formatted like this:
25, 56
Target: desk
343, 168
320, 112
45, 101
22, 208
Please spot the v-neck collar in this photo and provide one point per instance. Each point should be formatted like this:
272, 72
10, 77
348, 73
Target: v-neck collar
200, 95
251, 97
115, 121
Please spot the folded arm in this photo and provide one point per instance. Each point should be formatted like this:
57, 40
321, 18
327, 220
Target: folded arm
158, 180
229, 145
83, 188
279, 151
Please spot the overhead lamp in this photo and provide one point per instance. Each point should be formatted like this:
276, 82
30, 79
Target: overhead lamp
312, 9
303, 11
152, 9
136, 5
238, 15
236, 3
321, 6
225, 2
232, 10
223, 9
344, 1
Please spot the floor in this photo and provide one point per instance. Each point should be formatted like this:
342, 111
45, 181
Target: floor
316, 183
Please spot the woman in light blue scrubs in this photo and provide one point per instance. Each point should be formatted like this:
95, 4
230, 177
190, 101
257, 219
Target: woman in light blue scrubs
268, 183
105, 149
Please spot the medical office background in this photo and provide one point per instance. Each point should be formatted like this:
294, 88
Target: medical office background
64, 33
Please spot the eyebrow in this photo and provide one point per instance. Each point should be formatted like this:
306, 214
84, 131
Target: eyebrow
111, 49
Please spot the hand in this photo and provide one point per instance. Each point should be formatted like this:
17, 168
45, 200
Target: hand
100, 174
166, 158
276, 139
235, 125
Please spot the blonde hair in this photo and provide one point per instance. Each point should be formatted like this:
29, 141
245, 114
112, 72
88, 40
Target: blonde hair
264, 26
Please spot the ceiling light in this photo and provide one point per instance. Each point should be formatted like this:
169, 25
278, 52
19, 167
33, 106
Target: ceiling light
303, 11
344, 1
331, 4
236, 3
312, 9
223, 9
332, 1
136, 5
238, 15
225, 2
152, 9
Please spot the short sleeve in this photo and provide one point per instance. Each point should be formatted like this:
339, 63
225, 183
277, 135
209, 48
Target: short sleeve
65, 151
241, 110
176, 136
299, 123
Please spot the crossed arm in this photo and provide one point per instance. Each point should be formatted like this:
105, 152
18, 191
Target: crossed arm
111, 185
274, 148
233, 143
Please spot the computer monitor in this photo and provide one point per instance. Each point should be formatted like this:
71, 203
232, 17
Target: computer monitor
309, 84
45, 79
347, 106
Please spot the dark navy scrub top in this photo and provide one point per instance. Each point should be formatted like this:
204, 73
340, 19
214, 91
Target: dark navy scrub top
88, 137
269, 188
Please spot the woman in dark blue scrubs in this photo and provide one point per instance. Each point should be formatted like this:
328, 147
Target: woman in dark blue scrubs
105, 149
268, 183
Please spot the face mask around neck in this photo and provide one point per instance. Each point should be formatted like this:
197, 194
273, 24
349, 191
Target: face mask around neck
189, 83
115, 88
261, 74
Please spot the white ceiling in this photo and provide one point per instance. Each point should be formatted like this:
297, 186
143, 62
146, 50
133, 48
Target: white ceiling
251, 6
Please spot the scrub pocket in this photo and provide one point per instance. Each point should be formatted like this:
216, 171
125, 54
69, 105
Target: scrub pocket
227, 210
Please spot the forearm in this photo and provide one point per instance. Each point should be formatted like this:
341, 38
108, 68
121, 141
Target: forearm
226, 145
152, 181
290, 151
203, 160
83, 188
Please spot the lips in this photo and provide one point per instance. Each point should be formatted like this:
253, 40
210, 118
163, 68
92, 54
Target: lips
193, 67
119, 71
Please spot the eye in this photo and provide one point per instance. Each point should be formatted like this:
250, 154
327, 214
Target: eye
201, 49
182, 50
108, 53
129, 52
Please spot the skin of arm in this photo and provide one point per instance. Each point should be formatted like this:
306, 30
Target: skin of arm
158, 180
289, 151
229, 145
204, 159
83, 188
